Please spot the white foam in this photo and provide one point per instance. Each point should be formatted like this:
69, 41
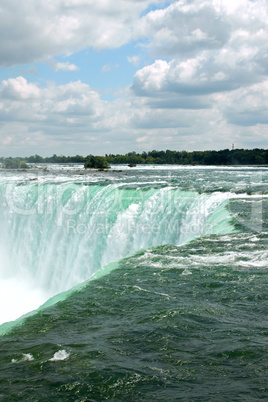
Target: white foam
18, 298
25, 357
60, 355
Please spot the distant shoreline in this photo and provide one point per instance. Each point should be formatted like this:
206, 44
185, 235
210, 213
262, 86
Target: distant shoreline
226, 157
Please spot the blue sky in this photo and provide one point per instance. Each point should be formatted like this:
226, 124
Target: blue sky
81, 77
104, 70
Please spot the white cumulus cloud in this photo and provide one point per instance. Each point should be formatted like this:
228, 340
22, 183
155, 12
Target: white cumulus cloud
65, 67
33, 30
201, 79
19, 88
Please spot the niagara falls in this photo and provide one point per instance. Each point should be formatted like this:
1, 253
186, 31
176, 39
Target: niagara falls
152, 275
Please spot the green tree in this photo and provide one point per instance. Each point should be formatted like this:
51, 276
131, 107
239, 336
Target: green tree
15, 164
96, 162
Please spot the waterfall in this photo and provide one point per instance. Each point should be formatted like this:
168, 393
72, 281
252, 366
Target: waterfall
54, 236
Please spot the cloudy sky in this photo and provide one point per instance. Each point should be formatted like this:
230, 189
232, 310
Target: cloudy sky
84, 76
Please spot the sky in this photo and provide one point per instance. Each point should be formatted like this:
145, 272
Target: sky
99, 77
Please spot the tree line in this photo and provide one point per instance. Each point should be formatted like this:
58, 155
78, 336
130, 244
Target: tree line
224, 157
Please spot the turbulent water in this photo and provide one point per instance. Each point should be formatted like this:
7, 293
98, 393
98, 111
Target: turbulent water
138, 283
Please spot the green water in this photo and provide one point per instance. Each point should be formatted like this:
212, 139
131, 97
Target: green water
179, 315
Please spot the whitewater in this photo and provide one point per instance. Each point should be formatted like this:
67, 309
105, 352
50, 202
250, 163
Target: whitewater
149, 278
